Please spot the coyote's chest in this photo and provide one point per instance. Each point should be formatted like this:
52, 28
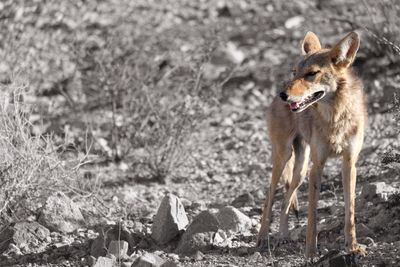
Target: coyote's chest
335, 127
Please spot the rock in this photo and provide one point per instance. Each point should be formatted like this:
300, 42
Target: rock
204, 222
118, 248
198, 256
294, 22
108, 234
200, 234
379, 221
196, 242
169, 221
91, 261
61, 214
377, 192
368, 241
335, 259
364, 231
231, 219
152, 260
256, 256
27, 237
220, 238
244, 200
208, 229
104, 262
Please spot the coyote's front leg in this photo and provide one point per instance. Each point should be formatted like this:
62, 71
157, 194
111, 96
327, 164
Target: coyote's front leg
349, 178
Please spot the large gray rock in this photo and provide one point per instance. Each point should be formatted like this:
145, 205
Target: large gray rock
231, 219
377, 192
170, 220
199, 235
61, 214
152, 260
27, 237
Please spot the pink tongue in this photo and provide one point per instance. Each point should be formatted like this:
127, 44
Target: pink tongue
294, 105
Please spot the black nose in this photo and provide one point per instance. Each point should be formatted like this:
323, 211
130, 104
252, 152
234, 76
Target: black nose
284, 96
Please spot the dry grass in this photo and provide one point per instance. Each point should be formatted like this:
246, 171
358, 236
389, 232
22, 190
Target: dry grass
29, 167
383, 27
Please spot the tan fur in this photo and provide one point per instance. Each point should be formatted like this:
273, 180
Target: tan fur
330, 127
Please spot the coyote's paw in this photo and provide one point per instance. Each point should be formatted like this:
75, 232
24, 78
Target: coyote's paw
358, 251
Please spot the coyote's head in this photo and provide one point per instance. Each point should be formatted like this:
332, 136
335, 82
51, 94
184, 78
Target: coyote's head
319, 71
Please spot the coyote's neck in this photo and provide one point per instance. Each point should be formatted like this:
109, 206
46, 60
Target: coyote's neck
343, 103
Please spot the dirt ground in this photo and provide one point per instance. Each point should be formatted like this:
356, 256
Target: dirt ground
92, 65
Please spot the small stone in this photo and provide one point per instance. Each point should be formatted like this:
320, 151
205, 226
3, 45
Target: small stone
198, 255
231, 219
377, 192
61, 214
108, 234
256, 256
244, 200
173, 256
91, 260
152, 260
104, 262
169, 221
294, 22
367, 241
118, 248
242, 251
220, 239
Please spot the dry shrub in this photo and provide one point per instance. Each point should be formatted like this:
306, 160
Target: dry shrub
156, 100
382, 25
29, 167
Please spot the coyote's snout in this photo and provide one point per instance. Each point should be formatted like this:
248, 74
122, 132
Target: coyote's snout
320, 113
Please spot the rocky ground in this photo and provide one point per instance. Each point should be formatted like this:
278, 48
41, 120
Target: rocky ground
206, 210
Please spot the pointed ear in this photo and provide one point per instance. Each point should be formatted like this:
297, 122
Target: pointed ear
310, 43
344, 52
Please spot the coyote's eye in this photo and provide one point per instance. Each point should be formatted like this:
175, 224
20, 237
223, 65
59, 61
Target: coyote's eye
312, 73
293, 72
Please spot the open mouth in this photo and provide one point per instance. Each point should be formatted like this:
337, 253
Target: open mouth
309, 100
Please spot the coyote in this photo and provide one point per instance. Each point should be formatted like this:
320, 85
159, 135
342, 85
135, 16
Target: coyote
320, 113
